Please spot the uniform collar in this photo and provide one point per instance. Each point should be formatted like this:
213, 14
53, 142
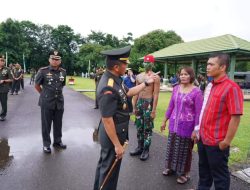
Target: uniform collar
116, 78
52, 69
220, 80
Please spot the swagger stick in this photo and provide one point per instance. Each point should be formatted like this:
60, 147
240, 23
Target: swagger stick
112, 168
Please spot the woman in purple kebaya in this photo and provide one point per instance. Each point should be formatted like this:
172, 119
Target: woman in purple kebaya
183, 115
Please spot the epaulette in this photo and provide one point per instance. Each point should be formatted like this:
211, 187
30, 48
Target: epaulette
110, 82
42, 68
62, 69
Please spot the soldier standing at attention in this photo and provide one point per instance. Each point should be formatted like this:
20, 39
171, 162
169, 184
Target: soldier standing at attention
49, 83
5, 79
145, 110
113, 105
98, 76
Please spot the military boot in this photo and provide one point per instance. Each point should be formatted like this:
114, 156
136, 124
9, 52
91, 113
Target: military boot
138, 150
145, 154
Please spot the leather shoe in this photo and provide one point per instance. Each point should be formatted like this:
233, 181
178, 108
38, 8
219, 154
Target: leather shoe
60, 145
2, 118
136, 152
145, 154
46, 149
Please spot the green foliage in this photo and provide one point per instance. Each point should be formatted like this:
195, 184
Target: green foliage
151, 42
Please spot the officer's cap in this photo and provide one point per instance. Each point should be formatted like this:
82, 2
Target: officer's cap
54, 54
115, 56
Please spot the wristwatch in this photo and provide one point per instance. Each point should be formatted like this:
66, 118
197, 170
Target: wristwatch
146, 83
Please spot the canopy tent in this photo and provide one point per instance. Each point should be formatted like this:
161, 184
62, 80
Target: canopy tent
196, 52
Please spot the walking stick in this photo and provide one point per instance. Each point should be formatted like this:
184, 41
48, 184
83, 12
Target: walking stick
112, 168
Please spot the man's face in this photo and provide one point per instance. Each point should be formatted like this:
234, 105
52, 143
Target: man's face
2, 62
54, 62
213, 67
121, 69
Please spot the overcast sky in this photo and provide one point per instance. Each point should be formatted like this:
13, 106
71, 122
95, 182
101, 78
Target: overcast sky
191, 19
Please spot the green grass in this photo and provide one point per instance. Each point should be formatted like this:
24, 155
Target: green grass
84, 83
241, 140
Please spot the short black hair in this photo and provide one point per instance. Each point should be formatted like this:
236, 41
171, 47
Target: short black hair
223, 58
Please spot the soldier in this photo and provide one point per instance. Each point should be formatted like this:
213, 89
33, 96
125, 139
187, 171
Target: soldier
33, 74
5, 79
17, 76
98, 76
49, 83
145, 110
113, 129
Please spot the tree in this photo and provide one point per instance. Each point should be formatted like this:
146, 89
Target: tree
64, 39
90, 53
151, 42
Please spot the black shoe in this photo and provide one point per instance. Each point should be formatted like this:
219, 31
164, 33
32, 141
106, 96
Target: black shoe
2, 118
96, 107
46, 149
11, 93
136, 152
60, 145
145, 154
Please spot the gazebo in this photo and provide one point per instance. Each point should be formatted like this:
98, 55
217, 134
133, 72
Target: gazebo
196, 52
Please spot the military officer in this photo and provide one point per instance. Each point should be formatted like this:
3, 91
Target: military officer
5, 79
98, 76
49, 83
113, 130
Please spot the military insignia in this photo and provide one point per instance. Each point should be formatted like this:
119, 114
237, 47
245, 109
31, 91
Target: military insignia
61, 78
111, 82
49, 83
49, 75
55, 52
124, 106
4, 72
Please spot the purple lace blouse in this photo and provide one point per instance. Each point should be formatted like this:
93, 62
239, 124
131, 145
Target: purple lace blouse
183, 111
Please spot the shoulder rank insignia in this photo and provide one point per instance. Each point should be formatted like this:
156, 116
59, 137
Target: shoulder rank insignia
111, 82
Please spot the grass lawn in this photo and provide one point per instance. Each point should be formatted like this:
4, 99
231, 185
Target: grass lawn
241, 140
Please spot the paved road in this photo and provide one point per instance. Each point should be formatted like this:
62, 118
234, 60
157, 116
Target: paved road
29, 168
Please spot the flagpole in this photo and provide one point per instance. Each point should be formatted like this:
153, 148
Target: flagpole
24, 66
6, 60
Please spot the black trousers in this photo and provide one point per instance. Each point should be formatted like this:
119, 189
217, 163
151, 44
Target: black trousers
213, 167
49, 116
22, 83
15, 86
3, 101
107, 157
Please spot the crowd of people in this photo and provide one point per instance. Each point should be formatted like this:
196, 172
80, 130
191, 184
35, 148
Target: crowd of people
206, 112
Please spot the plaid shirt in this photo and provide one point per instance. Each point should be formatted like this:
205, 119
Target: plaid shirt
225, 99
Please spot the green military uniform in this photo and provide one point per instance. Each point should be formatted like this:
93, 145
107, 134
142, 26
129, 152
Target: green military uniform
32, 77
112, 102
4, 89
16, 83
98, 77
51, 102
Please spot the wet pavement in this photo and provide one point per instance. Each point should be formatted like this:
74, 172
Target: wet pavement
23, 165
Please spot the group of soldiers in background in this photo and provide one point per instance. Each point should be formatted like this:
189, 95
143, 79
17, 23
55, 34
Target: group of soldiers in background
17, 76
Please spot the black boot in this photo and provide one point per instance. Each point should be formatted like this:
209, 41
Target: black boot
145, 154
138, 150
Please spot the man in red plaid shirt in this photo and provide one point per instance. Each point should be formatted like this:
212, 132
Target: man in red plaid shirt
220, 121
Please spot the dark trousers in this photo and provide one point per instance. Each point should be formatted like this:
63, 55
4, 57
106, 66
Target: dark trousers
3, 101
49, 115
15, 86
22, 83
107, 157
213, 167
